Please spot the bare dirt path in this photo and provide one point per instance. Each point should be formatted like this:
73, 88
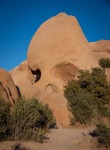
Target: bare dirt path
59, 139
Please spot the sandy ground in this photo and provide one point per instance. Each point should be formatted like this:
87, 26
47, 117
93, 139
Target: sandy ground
59, 139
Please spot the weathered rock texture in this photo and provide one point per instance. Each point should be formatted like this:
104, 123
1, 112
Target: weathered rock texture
56, 52
101, 49
24, 78
57, 49
8, 90
100, 46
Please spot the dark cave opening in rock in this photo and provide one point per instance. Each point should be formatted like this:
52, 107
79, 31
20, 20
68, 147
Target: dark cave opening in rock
37, 75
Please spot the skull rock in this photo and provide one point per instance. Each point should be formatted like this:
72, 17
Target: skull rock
57, 50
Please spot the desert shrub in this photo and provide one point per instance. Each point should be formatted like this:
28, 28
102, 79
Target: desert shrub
88, 96
103, 134
25, 120
82, 107
104, 62
30, 120
80, 102
95, 83
4, 119
18, 146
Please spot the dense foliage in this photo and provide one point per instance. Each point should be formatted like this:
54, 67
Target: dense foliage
88, 96
28, 120
103, 134
104, 62
4, 119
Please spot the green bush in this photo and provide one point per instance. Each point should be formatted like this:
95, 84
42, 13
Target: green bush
80, 102
103, 134
30, 120
82, 107
4, 119
25, 120
95, 83
104, 62
88, 96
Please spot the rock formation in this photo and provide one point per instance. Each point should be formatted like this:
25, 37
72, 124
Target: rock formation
24, 78
100, 46
101, 49
56, 52
8, 90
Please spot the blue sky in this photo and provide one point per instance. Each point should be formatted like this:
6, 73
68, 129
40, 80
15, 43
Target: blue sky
19, 19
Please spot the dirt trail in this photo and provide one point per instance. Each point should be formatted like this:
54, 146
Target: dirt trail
59, 139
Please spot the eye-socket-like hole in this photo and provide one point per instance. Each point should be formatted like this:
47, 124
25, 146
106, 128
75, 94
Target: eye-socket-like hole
65, 70
37, 75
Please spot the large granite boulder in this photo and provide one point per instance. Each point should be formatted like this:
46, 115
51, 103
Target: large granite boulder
56, 50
